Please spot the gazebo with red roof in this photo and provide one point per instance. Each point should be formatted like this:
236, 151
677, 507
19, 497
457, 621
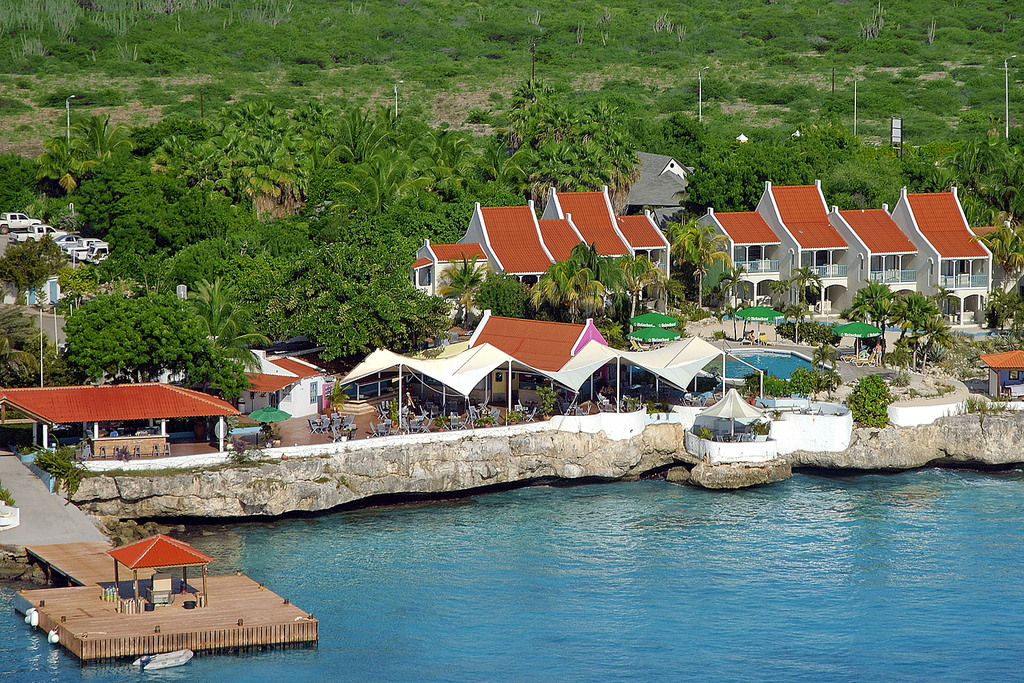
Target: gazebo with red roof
159, 552
1005, 373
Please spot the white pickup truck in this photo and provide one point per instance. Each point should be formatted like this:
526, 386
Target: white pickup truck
15, 221
36, 231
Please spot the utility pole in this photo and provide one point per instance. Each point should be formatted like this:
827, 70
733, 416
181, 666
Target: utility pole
700, 94
67, 105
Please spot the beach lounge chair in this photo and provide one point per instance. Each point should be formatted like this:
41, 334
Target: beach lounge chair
763, 340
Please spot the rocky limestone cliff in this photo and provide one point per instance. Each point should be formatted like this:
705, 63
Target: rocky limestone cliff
969, 440
321, 483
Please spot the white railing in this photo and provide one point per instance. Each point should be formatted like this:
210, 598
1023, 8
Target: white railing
964, 280
833, 270
762, 266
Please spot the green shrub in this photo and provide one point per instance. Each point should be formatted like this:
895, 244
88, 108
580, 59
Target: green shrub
901, 378
5, 496
60, 463
870, 401
810, 333
545, 400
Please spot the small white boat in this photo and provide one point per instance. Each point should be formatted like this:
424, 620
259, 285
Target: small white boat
164, 660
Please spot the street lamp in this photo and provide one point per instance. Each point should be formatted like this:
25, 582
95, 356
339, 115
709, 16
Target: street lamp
396, 98
1006, 84
67, 105
700, 94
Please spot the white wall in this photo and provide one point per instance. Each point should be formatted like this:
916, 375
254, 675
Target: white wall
816, 433
716, 453
912, 416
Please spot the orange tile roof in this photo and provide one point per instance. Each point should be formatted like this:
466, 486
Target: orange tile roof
804, 214
938, 217
640, 233
747, 227
539, 344
266, 383
559, 237
591, 217
114, 403
295, 367
514, 239
420, 262
1007, 360
158, 551
878, 231
455, 252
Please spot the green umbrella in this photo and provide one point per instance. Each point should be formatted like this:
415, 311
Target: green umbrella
653, 319
857, 329
269, 414
651, 334
759, 314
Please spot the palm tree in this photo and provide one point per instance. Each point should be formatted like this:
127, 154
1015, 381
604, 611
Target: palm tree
876, 303
806, 279
14, 359
939, 335
700, 246
640, 275
57, 163
94, 139
567, 286
825, 355
798, 312
914, 314
732, 280
461, 282
1007, 246
224, 323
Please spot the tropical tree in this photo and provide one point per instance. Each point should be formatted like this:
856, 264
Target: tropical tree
461, 282
938, 335
701, 246
640, 275
1007, 246
12, 358
806, 279
224, 323
798, 312
732, 280
568, 287
874, 303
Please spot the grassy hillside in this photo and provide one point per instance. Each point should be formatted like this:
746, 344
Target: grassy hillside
936, 62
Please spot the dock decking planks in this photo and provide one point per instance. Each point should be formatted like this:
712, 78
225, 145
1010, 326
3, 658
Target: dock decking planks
83, 563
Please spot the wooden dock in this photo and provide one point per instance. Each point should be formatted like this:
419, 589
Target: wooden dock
240, 612
80, 564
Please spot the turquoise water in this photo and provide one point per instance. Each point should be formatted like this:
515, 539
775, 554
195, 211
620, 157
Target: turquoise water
778, 364
910, 577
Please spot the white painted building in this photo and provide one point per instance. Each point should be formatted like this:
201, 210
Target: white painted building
291, 384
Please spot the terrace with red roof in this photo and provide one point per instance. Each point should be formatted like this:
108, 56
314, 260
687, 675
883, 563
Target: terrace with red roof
875, 240
950, 256
540, 344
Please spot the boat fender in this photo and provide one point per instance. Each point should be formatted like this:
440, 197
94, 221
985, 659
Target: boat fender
143, 661
34, 619
28, 615
53, 637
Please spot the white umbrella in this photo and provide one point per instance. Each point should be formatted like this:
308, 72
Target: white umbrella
733, 407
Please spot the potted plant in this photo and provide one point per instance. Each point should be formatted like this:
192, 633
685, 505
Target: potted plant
485, 421
443, 422
546, 401
513, 416
705, 433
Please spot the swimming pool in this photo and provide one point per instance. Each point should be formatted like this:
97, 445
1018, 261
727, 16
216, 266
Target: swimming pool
778, 363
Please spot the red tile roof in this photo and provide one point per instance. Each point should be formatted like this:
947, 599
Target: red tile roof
940, 221
878, 231
456, 252
804, 214
559, 237
267, 383
158, 551
295, 367
747, 227
640, 232
539, 344
514, 239
114, 403
1007, 360
591, 217
420, 262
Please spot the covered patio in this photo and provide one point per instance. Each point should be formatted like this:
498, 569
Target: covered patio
160, 552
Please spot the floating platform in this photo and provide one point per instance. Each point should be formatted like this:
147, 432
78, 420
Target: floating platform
240, 613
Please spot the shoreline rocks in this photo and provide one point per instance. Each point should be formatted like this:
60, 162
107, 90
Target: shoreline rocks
481, 461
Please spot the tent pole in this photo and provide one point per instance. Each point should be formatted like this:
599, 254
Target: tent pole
618, 384
117, 580
206, 600
762, 383
401, 397
508, 391
136, 573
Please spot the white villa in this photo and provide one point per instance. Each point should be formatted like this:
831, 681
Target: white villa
291, 384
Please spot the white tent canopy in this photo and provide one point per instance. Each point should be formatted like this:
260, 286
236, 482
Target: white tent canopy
733, 407
461, 372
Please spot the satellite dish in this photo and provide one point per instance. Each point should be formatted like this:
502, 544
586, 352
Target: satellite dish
221, 430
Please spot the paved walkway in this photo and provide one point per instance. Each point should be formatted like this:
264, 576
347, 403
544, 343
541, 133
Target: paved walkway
45, 518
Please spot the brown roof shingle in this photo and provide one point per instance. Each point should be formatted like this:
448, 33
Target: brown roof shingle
747, 227
513, 236
539, 344
559, 237
591, 217
940, 221
878, 231
804, 214
640, 232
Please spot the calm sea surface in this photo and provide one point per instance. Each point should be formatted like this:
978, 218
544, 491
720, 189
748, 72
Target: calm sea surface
916, 576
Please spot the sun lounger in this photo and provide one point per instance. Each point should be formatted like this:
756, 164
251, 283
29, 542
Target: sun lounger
763, 340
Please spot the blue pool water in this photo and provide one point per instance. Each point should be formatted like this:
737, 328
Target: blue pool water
909, 577
778, 364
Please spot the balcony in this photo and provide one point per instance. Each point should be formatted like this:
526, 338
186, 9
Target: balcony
763, 266
963, 281
834, 270
893, 276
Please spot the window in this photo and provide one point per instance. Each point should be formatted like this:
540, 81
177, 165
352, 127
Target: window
314, 392
1014, 374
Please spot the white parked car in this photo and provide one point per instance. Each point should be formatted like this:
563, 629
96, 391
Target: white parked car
36, 231
98, 250
66, 242
15, 221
